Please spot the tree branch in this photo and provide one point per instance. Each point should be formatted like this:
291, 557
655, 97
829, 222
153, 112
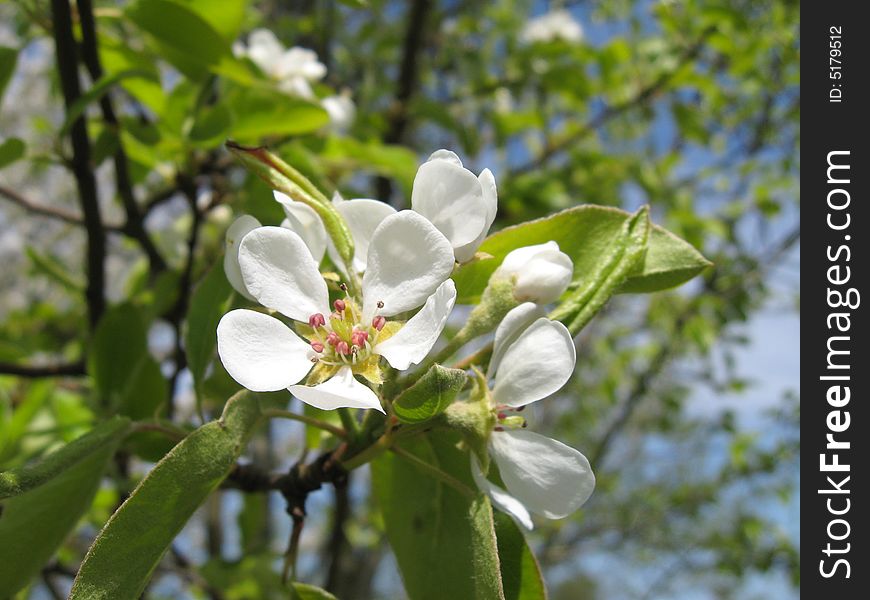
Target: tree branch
65, 52
554, 147
135, 225
406, 85
37, 371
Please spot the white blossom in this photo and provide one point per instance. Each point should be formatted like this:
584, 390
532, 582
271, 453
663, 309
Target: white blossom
459, 203
541, 273
293, 69
342, 111
555, 25
542, 475
407, 265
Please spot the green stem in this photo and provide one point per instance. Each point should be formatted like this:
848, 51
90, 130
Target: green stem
286, 414
349, 422
434, 471
368, 454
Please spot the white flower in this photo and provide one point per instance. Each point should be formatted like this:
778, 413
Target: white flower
554, 25
408, 265
302, 219
239, 229
293, 69
459, 203
541, 273
542, 476
341, 109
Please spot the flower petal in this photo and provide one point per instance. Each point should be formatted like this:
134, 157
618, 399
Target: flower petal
339, 391
415, 339
302, 219
281, 274
548, 477
362, 217
545, 277
451, 197
500, 498
490, 198
261, 352
510, 328
537, 364
408, 259
239, 229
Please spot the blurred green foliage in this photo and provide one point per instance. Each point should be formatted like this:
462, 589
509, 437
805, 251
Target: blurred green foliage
689, 106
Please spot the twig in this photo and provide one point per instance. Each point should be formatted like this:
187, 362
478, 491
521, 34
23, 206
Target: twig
134, 226
65, 53
35, 371
52, 212
406, 85
286, 414
556, 146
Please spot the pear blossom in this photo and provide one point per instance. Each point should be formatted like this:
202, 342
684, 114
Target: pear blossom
555, 25
302, 219
459, 203
408, 264
542, 475
541, 273
293, 69
233, 238
341, 109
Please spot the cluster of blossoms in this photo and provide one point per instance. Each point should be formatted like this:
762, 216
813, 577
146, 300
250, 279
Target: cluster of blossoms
555, 25
395, 305
294, 70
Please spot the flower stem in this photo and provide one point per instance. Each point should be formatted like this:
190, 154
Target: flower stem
349, 422
286, 414
368, 454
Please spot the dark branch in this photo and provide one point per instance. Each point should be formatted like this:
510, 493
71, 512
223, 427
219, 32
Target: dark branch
65, 52
398, 116
52, 212
35, 371
135, 226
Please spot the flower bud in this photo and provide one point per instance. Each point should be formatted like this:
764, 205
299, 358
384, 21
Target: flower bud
339, 305
540, 273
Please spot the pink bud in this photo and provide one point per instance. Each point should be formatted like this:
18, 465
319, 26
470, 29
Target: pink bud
342, 347
379, 322
332, 339
339, 305
359, 338
316, 320
501, 416
316, 346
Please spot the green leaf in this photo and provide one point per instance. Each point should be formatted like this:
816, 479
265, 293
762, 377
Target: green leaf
8, 58
187, 40
124, 555
624, 254
97, 91
11, 150
520, 572
211, 125
34, 400
254, 576
263, 112
586, 234
23, 479
429, 396
34, 524
226, 16
444, 541
52, 268
127, 380
210, 300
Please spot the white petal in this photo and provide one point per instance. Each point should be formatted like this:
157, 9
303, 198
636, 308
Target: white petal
261, 352
408, 259
446, 155
548, 477
510, 328
302, 219
545, 277
451, 197
536, 365
362, 217
340, 391
239, 229
500, 498
516, 259
412, 343
281, 274
490, 199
